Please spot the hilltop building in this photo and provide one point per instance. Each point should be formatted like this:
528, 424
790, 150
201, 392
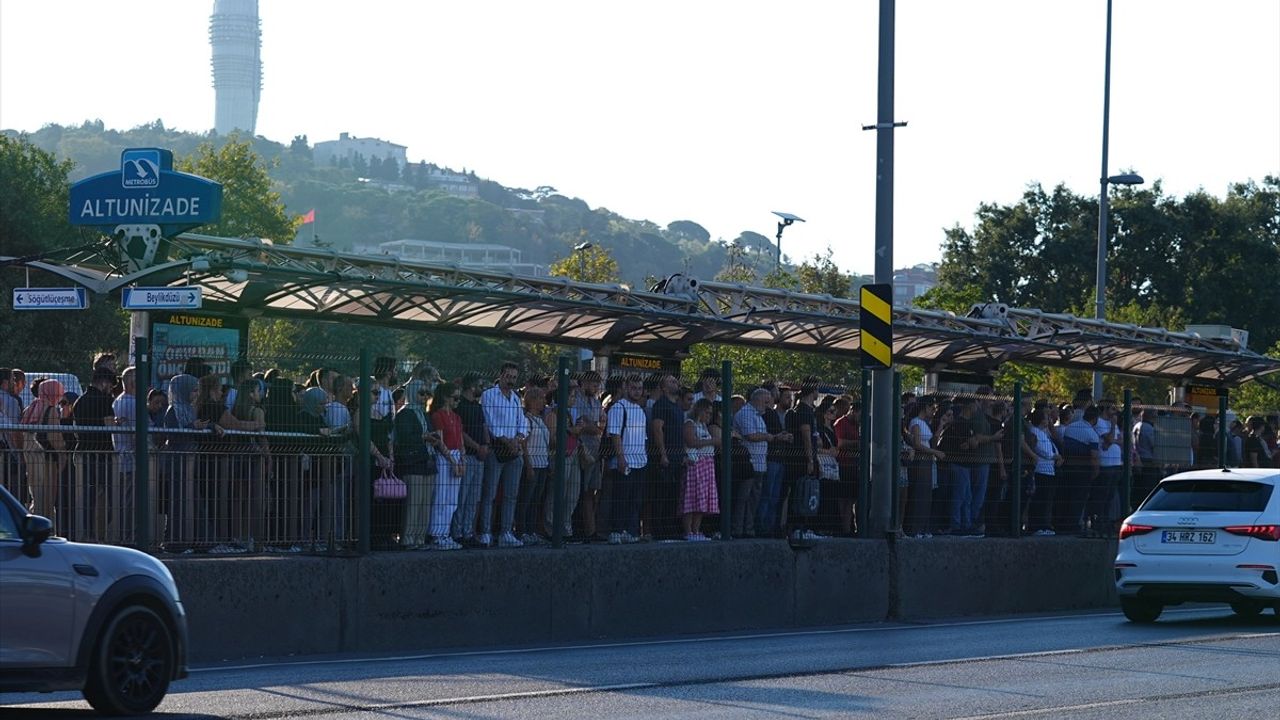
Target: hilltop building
348, 147
236, 37
497, 258
910, 283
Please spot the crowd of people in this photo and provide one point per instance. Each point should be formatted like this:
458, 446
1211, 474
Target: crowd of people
250, 460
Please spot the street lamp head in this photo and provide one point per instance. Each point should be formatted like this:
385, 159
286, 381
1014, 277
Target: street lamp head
582, 246
1126, 179
788, 218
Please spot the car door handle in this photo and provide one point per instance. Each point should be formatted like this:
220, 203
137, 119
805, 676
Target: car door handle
83, 569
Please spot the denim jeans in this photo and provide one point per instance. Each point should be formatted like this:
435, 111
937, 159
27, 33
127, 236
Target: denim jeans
770, 498
979, 476
961, 497
464, 518
508, 473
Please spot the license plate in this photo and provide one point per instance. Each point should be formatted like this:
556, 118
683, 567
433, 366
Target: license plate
1206, 537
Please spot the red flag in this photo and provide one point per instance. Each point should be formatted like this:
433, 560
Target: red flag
310, 217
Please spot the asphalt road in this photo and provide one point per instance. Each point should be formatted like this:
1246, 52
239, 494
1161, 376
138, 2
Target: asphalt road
1196, 663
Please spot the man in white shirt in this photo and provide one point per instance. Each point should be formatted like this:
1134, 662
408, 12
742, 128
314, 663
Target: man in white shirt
384, 375
1110, 465
626, 430
750, 425
508, 427
124, 409
708, 386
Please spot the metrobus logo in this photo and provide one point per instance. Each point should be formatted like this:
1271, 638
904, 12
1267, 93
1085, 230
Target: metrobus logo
140, 168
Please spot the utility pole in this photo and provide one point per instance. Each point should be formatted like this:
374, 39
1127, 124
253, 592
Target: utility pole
882, 399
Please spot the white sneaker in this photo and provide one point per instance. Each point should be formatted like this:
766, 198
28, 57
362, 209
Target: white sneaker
509, 540
691, 538
811, 535
485, 540
629, 538
447, 543
795, 534
615, 538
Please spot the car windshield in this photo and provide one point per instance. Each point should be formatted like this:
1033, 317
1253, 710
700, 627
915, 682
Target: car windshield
1209, 495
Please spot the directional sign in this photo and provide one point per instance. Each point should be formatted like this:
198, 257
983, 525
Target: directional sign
160, 298
875, 326
62, 298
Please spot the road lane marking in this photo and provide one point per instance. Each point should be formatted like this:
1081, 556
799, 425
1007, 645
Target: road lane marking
667, 641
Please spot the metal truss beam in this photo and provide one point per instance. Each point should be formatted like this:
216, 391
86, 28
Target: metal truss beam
318, 284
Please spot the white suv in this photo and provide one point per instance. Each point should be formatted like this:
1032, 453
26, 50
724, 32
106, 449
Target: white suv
104, 620
1203, 536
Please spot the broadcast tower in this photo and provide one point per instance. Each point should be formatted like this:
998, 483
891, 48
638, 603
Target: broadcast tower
236, 37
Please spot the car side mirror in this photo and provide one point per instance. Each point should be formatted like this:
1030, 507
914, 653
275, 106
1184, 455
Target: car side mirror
35, 530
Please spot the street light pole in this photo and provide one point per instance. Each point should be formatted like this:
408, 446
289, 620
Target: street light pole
581, 251
787, 219
1099, 306
1104, 207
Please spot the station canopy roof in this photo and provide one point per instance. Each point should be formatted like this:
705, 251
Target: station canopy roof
254, 277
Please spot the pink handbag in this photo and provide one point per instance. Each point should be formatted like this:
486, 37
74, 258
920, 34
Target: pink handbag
389, 487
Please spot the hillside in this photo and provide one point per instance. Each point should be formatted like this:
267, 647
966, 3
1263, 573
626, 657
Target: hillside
368, 203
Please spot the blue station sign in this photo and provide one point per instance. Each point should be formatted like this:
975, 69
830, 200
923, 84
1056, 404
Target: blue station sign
146, 190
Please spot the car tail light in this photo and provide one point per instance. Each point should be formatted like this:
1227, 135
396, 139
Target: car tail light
1129, 529
1270, 533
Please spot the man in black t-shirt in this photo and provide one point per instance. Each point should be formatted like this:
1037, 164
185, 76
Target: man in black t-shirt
775, 461
93, 409
475, 441
956, 442
666, 437
802, 423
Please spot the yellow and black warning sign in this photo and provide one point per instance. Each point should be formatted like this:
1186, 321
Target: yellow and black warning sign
875, 326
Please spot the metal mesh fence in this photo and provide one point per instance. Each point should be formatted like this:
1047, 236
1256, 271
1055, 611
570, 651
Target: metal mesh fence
266, 455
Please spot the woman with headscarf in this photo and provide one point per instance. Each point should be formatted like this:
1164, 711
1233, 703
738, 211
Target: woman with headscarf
178, 503
46, 452
416, 444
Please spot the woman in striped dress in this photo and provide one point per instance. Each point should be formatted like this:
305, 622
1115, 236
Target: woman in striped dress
699, 496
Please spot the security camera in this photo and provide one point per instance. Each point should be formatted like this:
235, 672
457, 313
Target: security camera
237, 275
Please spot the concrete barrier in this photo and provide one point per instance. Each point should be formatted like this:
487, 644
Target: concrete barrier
952, 576
413, 601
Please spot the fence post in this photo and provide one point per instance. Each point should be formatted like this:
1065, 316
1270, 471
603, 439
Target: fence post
726, 449
1222, 432
895, 450
1126, 482
364, 470
561, 462
1015, 498
862, 494
141, 456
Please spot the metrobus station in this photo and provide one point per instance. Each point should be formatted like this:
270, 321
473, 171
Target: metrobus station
248, 604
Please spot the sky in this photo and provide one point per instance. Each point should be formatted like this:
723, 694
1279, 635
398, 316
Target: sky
709, 110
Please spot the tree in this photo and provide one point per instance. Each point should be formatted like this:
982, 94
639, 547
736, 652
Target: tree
33, 219
1213, 260
299, 147
251, 207
594, 264
688, 230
